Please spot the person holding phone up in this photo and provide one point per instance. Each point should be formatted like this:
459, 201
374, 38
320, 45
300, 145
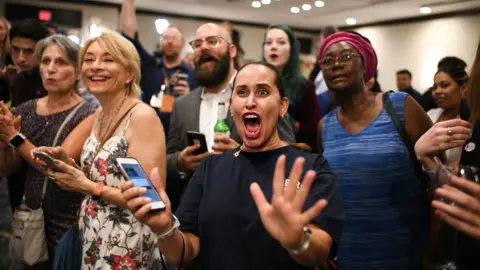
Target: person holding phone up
262, 205
164, 79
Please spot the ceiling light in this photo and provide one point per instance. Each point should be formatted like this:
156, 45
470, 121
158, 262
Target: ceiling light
306, 7
95, 30
161, 25
319, 3
266, 2
351, 21
256, 4
295, 10
425, 10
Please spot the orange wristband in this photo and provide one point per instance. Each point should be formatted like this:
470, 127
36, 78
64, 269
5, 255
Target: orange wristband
98, 189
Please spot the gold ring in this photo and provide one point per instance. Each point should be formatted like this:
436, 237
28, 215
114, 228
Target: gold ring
449, 131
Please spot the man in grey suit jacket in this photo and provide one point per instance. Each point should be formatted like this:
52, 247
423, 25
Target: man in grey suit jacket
214, 56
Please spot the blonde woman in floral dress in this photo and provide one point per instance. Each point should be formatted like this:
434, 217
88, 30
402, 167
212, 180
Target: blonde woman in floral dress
112, 237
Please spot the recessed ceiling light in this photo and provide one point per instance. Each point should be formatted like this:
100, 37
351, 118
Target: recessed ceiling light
161, 25
351, 21
319, 3
425, 10
266, 2
295, 10
306, 7
256, 4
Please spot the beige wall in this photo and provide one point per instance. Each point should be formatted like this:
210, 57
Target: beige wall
108, 17
419, 46
251, 38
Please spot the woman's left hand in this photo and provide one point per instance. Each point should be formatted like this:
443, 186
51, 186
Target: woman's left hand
69, 178
465, 214
283, 218
441, 137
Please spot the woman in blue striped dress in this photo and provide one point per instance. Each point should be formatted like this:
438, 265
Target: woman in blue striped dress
386, 224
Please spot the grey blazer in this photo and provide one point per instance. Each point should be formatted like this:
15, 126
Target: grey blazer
186, 117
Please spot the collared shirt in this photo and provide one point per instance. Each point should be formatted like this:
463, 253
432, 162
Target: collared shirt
320, 85
209, 110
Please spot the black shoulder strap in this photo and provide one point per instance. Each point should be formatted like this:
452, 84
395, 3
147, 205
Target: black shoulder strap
400, 127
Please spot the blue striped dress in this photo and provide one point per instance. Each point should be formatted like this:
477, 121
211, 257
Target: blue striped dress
386, 222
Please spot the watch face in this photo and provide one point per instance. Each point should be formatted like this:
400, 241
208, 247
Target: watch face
17, 140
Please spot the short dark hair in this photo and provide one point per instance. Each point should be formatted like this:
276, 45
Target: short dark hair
404, 72
278, 76
29, 28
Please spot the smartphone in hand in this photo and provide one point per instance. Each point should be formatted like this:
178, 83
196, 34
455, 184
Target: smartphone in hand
132, 171
194, 138
182, 77
45, 158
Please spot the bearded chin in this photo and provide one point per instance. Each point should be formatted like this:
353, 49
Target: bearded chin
218, 74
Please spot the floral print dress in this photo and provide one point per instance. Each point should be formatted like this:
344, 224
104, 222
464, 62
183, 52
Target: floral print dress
112, 237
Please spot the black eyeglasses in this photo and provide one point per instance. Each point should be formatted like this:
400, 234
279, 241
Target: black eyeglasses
212, 42
345, 59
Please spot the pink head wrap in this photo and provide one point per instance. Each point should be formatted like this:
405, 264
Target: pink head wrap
361, 44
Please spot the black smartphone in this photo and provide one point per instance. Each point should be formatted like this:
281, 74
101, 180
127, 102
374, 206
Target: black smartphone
45, 158
197, 138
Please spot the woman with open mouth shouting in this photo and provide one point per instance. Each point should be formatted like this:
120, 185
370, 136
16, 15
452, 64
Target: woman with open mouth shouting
240, 211
280, 48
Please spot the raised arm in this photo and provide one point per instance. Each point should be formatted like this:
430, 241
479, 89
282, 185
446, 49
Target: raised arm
128, 19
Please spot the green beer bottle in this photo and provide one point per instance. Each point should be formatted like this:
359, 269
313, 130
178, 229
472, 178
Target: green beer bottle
221, 127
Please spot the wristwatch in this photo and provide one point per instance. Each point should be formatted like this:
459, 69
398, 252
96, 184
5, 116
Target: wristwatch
17, 140
176, 224
306, 244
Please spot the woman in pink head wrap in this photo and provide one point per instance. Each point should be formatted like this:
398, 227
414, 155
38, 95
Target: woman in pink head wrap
386, 211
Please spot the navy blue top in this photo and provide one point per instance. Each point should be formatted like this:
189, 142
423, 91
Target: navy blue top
218, 207
153, 77
386, 223
152, 71
412, 92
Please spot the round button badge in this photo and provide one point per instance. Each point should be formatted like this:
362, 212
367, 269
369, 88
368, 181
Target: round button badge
470, 147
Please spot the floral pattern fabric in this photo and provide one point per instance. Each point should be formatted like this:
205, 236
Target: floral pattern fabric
112, 237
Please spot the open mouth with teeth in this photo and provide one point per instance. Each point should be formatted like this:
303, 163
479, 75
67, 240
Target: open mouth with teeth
206, 59
252, 125
98, 79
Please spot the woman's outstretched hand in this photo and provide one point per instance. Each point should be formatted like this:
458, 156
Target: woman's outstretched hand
283, 217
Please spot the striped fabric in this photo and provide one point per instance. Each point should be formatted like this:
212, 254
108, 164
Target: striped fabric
386, 213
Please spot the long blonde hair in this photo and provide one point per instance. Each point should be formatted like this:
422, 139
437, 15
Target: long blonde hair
473, 89
6, 42
123, 51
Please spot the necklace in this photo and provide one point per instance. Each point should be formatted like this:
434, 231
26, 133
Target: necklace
100, 120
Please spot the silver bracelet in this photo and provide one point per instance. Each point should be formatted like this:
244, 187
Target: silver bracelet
306, 244
176, 225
